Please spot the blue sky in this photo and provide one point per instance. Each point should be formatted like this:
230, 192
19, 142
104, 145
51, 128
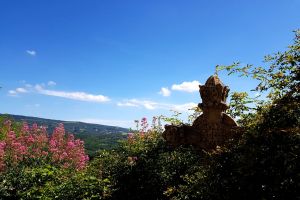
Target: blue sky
107, 61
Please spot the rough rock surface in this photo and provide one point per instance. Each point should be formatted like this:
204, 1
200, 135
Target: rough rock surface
213, 127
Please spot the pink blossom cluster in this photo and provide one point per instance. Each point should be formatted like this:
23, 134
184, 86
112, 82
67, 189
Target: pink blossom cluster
132, 160
33, 143
144, 125
2, 152
66, 150
142, 140
130, 137
144, 133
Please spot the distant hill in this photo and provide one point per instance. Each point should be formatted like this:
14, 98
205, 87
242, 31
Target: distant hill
95, 136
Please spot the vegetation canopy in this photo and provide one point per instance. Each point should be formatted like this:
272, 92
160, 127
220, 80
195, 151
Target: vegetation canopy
263, 164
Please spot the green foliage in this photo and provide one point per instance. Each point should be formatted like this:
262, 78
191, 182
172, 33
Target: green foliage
36, 178
48, 182
281, 77
174, 119
16, 126
80, 186
194, 115
238, 104
154, 174
96, 137
143, 165
241, 108
27, 182
263, 164
94, 143
260, 166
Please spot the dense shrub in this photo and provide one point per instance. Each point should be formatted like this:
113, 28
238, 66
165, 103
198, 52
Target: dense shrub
260, 166
28, 182
32, 164
144, 167
32, 145
263, 164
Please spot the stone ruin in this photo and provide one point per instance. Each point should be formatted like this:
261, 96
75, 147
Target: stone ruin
213, 127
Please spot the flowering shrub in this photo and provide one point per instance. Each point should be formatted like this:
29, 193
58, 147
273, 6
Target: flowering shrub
33, 145
143, 140
67, 150
143, 164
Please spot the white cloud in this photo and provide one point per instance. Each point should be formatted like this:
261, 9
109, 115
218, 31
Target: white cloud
31, 52
12, 93
120, 123
151, 105
184, 107
80, 96
40, 88
192, 86
165, 92
17, 91
127, 104
21, 90
51, 83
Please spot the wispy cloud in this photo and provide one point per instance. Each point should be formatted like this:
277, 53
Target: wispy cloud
17, 91
192, 86
183, 107
127, 104
51, 83
12, 93
21, 90
80, 96
120, 123
151, 105
41, 89
31, 52
164, 91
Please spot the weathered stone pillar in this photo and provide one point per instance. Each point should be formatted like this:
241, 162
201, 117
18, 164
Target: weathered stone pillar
213, 127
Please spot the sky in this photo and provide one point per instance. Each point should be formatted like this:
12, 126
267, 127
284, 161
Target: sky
112, 62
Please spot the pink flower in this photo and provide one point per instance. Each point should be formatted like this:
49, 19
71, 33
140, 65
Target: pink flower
71, 145
7, 124
11, 135
130, 136
132, 160
2, 154
144, 125
34, 127
34, 143
30, 139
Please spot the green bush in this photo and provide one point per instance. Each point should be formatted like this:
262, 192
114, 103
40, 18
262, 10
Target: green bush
24, 182
80, 186
263, 164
